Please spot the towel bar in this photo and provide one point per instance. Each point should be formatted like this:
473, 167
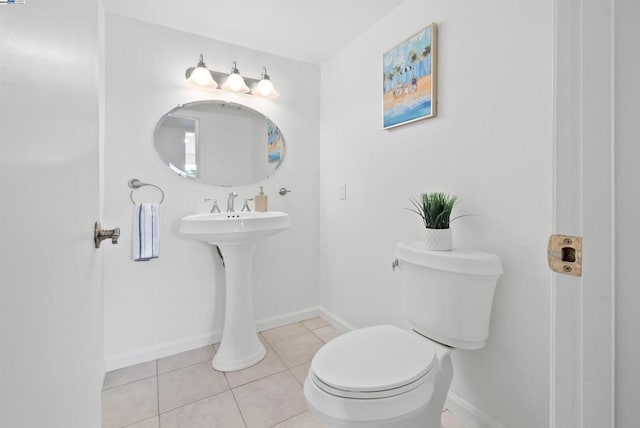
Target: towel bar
134, 184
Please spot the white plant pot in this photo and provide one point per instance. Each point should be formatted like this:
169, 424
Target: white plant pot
438, 239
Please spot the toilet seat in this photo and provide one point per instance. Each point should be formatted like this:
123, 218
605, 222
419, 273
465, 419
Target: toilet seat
374, 362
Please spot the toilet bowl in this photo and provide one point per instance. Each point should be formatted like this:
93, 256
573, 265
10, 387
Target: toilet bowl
381, 376
389, 377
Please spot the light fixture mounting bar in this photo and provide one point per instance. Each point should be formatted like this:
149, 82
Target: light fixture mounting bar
250, 81
219, 76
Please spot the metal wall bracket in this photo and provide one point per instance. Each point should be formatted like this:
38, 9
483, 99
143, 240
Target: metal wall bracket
565, 254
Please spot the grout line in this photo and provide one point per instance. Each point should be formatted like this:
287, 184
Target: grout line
278, 355
317, 328
321, 339
260, 378
157, 370
158, 392
288, 419
297, 380
184, 367
193, 402
188, 365
235, 400
127, 383
151, 417
288, 337
142, 420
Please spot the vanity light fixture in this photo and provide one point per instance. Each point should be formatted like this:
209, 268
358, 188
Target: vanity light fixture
265, 88
200, 75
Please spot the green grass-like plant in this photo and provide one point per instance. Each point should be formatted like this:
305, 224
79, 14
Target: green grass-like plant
434, 209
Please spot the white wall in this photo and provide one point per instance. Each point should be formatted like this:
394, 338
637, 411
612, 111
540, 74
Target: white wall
627, 153
491, 144
176, 302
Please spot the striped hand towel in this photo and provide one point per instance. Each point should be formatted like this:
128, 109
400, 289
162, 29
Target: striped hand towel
146, 232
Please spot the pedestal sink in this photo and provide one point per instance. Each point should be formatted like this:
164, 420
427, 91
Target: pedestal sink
236, 234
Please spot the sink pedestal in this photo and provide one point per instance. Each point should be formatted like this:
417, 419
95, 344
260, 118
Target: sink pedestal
236, 234
240, 346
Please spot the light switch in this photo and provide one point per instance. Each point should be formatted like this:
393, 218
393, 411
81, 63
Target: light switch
343, 191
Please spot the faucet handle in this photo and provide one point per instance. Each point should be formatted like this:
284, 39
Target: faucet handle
245, 207
214, 208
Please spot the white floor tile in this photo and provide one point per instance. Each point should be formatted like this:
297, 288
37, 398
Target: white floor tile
187, 385
271, 400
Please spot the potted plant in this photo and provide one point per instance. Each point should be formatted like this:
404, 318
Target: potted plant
435, 211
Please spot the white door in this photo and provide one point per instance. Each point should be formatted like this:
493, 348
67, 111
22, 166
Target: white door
582, 375
50, 287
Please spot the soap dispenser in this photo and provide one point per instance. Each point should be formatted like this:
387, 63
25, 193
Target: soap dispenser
260, 201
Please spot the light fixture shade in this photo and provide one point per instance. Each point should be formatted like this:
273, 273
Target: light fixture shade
265, 88
235, 82
200, 76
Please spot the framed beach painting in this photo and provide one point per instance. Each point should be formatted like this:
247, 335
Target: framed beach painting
409, 79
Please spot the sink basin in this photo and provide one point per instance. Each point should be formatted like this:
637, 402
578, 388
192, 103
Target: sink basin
220, 228
236, 235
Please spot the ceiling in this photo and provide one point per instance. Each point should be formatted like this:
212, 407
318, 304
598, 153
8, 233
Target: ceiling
305, 30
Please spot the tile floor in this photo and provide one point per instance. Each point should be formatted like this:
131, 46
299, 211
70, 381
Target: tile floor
184, 391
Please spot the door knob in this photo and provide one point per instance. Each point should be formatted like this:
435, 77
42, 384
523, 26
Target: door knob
100, 234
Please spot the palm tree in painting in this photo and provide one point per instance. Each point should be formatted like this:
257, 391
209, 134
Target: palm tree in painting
413, 57
425, 54
388, 77
396, 73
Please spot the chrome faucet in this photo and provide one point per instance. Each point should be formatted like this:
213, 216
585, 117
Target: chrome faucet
232, 197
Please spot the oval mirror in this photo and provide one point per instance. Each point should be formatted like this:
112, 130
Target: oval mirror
219, 142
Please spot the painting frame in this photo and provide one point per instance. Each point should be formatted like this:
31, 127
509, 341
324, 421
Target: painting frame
410, 79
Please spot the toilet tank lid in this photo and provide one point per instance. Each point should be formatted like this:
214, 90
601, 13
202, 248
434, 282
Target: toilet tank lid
458, 260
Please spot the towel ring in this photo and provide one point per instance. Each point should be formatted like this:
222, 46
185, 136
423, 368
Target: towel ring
134, 184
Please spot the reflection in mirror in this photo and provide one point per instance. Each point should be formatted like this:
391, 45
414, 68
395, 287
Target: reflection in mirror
219, 143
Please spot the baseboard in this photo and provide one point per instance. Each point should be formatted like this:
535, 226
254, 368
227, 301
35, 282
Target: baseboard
335, 320
288, 318
152, 353
164, 350
469, 415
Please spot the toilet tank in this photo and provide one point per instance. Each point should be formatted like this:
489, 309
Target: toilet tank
448, 294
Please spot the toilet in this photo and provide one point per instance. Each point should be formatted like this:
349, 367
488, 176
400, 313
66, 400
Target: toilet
389, 377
